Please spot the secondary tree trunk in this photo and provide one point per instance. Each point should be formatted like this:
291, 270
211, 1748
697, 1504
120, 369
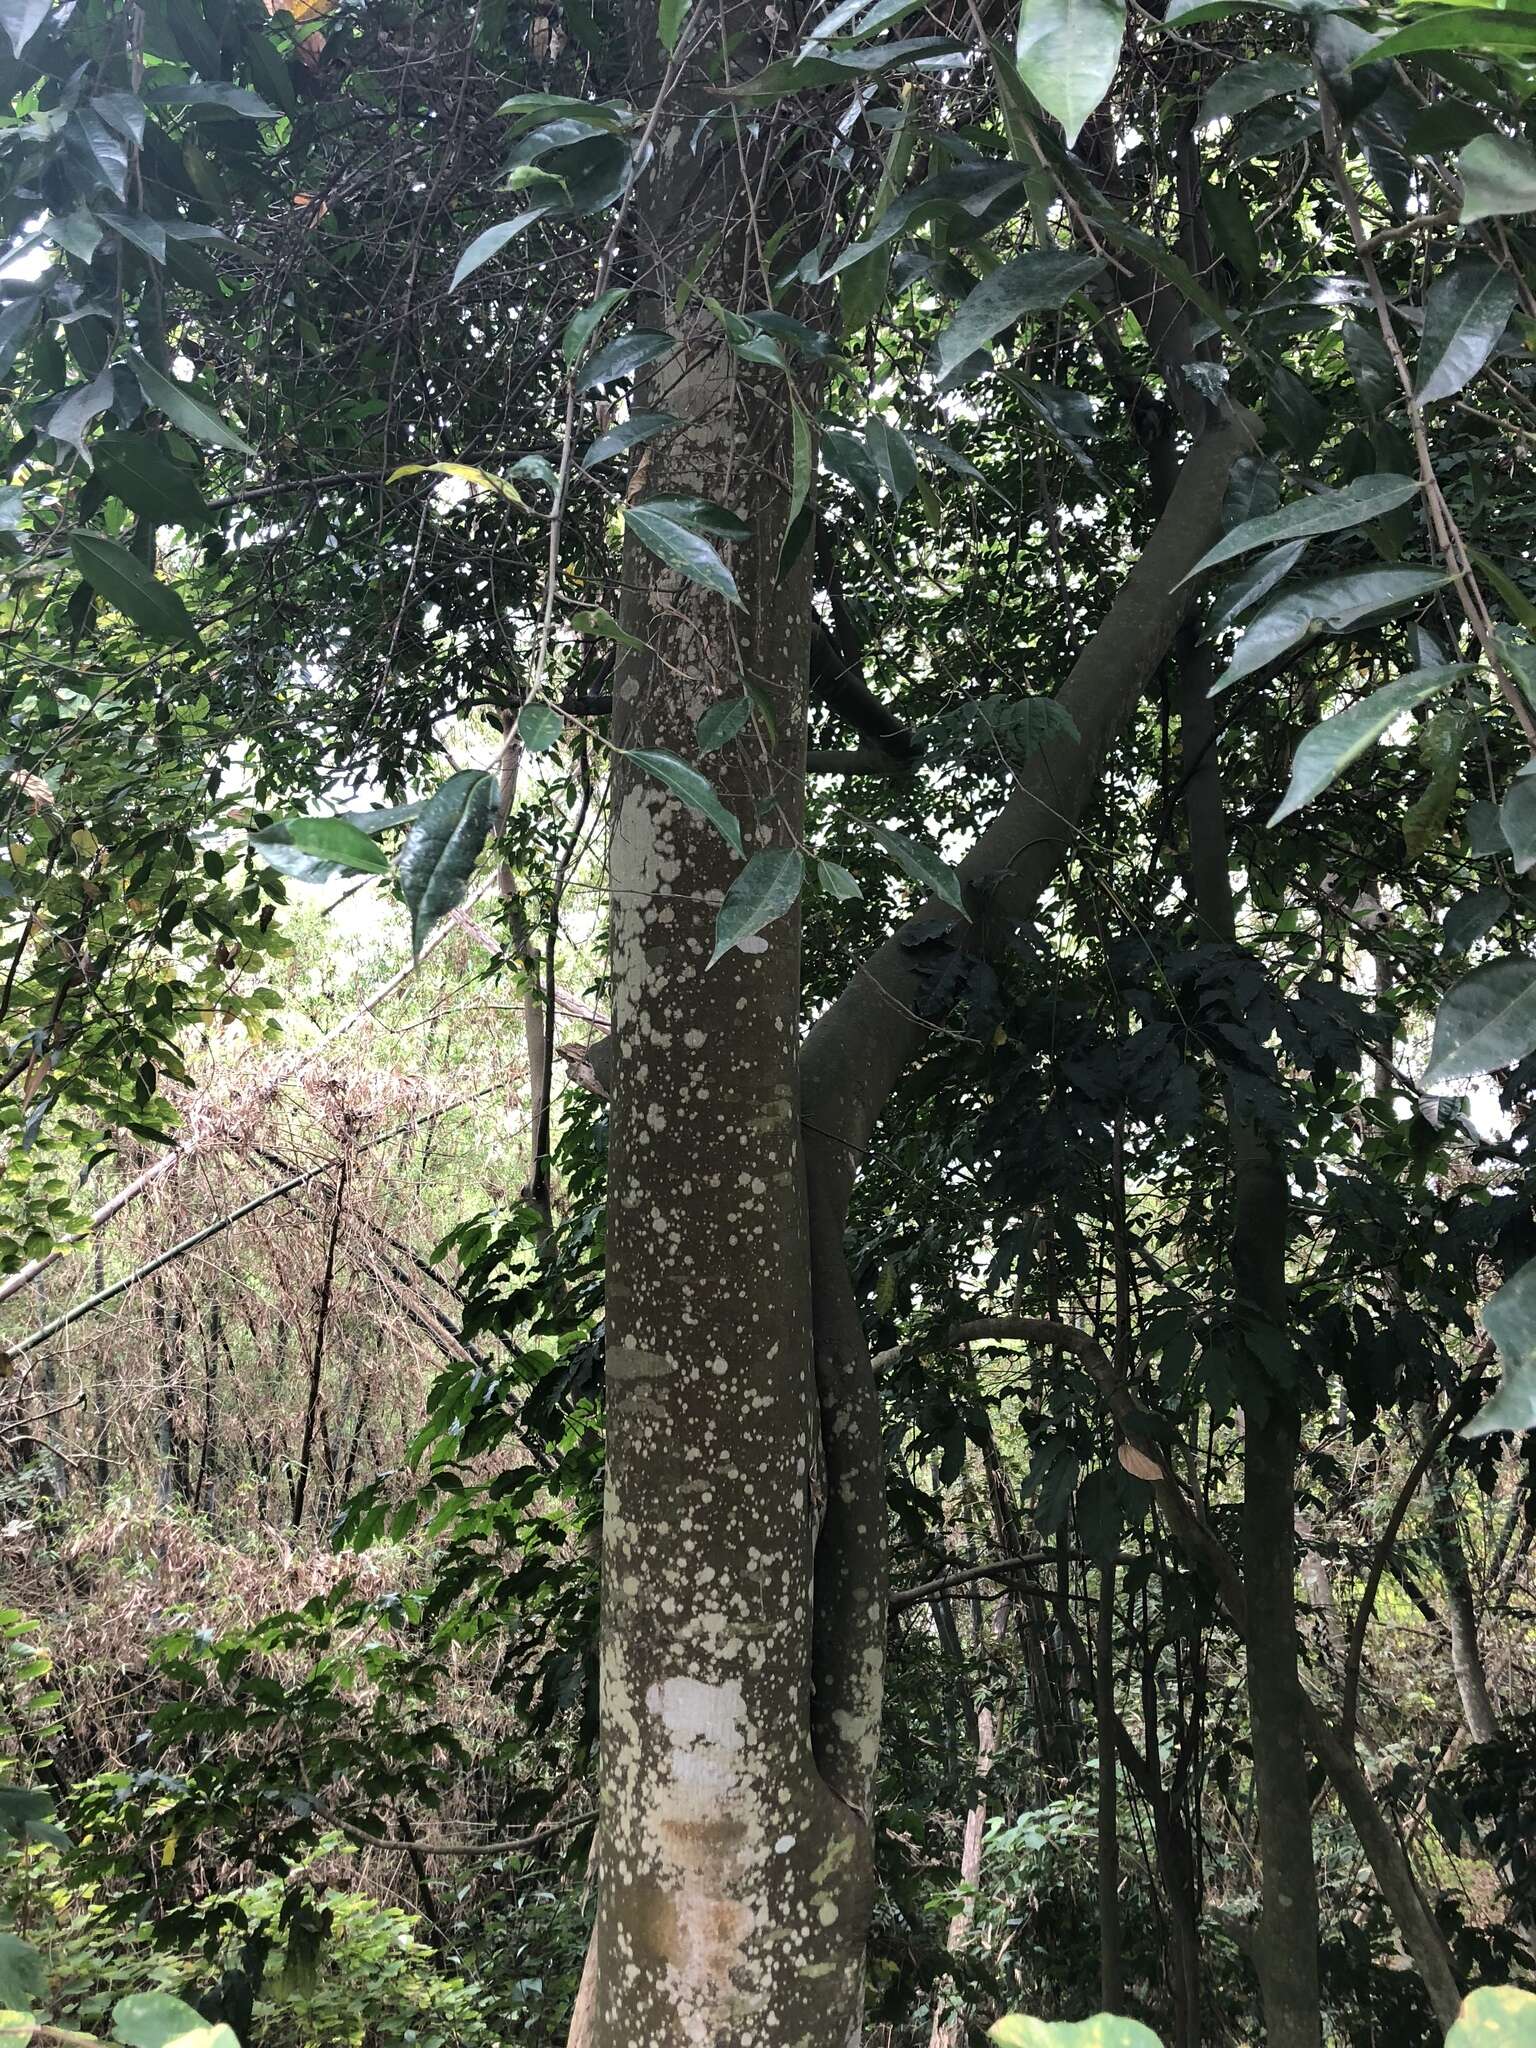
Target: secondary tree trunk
734, 1882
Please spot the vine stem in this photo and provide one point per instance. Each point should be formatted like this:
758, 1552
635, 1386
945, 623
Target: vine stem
1442, 521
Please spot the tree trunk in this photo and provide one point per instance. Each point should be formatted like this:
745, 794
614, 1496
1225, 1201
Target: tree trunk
734, 1881
1285, 1951
1111, 1963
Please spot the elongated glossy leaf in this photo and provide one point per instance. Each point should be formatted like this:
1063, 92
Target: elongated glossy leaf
1040, 281
797, 525
212, 98
581, 327
922, 864
442, 847
183, 410
1517, 818
621, 357
1471, 918
490, 242
539, 727
1466, 311
1492, 2019
1067, 53
1252, 585
338, 841
893, 457
767, 886
837, 882
680, 549
977, 190
701, 515
1249, 85
1460, 28
604, 626
138, 469
721, 723
696, 790
127, 585
1330, 512
1485, 1023
71, 418
842, 67
1328, 748
21, 20
1333, 604
1498, 176
631, 433
670, 16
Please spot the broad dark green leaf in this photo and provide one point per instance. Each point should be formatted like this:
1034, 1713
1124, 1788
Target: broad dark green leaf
1040, 281
1471, 918
154, 2019
695, 790
539, 726
490, 242
71, 418
701, 515
1461, 28
1329, 512
842, 67
680, 549
17, 319
766, 888
1517, 817
581, 327
721, 723
1231, 224
837, 882
1487, 1022
123, 111
98, 150
21, 20
339, 842
630, 433
138, 469
1249, 85
621, 357
1067, 53
1333, 604
127, 585
183, 410
205, 98
921, 863
1328, 748
1498, 176
978, 190
893, 457
23, 1976
442, 847
1466, 312
1252, 585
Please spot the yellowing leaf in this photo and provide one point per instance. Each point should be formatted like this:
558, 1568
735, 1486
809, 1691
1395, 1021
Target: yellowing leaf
466, 473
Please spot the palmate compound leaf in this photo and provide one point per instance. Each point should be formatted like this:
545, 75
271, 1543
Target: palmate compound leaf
767, 886
1104, 2030
442, 847
1369, 497
154, 2019
1329, 747
1486, 1022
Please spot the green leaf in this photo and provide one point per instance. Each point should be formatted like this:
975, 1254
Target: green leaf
1041, 280
1333, 604
490, 242
21, 20
837, 881
1505, 2018
1517, 819
183, 410
721, 723
1486, 1022
153, 2019
138, 469
23, 1979
701, 515
126, 584
1252, 585
213, 98
1460, 28
1466, 311
921, 863
797, 526
843, 67
1232, 225
979, 190
1328, 748
539, 726
893, 457
71, 418
1498, 176
338, 842
767, 886
581, 327
696, 791
1471, 918
1067, 53
1249, 85
1105, 2030
622, 356
670, 18
604, 626
1369, 497
630, 433
680, 549
442, 847
17, 319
